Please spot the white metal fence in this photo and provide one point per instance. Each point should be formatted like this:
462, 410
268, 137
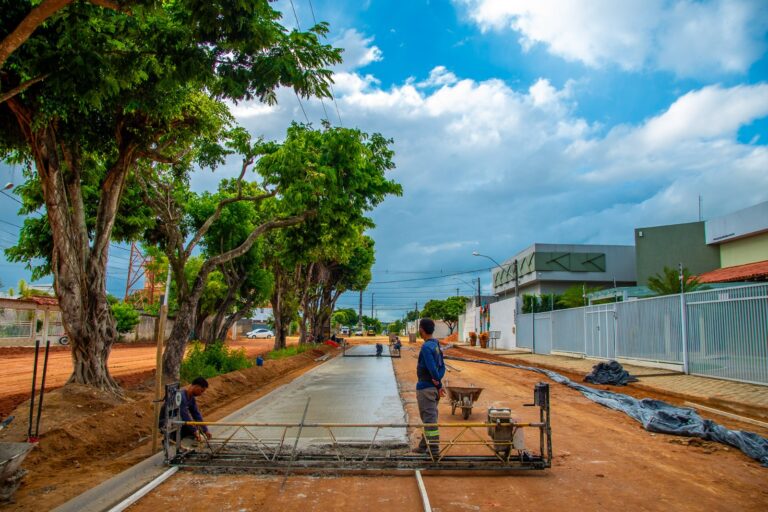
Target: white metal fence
719, 333
728, 333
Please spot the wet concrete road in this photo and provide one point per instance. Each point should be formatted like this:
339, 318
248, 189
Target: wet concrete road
349, 390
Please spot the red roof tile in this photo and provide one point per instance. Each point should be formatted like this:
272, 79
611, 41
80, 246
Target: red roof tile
44, 301
757, 271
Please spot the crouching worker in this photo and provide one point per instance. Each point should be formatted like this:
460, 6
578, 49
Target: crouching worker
429, 388
189, 410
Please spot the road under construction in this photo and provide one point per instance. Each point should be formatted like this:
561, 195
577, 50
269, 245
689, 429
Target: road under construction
340, 437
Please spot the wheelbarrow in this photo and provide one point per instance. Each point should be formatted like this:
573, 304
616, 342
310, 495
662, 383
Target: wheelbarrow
11, 457
463, 398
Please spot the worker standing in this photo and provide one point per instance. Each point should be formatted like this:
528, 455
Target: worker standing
429, 388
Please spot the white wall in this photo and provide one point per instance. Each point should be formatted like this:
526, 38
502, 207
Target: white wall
470, 323
503, 320
441, 328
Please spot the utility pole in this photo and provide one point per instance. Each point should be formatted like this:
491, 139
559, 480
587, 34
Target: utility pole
372, 295
457, 292
159, 357
360, 312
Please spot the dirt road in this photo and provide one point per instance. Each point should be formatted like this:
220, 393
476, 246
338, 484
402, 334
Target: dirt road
125, 362
603, 460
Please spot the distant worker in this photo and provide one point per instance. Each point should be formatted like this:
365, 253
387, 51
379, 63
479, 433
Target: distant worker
379, 349
189, 410
429, 388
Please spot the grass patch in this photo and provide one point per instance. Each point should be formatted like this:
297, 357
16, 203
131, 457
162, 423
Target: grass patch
215, 360
287, 351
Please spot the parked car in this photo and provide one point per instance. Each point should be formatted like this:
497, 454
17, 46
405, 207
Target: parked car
259, 333
371, 332
358, 332
345, 331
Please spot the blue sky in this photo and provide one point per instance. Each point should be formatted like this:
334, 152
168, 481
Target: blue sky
518, 122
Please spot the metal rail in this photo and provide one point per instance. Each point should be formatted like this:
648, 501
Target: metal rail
264, 446
393, 352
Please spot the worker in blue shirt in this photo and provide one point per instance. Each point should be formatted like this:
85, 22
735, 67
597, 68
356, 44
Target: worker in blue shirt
429, 388
189, 411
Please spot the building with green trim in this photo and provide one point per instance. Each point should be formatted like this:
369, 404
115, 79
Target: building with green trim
541, 269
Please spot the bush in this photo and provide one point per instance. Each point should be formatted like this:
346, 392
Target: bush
126, 318
214, 360
287, 351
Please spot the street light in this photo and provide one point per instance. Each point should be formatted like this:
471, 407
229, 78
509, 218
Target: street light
514, 266
475, 253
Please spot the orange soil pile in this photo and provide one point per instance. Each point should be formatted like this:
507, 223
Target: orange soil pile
451, 338
81, 426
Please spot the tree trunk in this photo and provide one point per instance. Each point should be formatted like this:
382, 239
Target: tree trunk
79, 264
215, 332
182, 327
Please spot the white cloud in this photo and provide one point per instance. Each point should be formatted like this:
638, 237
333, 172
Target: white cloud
358, 50
506, 167
439, 76
689, 38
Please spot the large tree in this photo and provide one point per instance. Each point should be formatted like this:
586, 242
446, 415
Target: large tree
341, 172
447, 310
125, 89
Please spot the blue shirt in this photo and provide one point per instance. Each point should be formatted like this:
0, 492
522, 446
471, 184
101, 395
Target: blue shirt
430, 366
189, 410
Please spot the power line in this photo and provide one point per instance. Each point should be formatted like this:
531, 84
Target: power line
330, 86
435, 277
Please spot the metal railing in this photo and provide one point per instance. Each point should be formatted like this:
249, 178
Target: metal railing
728, 333
342, 446
725, 334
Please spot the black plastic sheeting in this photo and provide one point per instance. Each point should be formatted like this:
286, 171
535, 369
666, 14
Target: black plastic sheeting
657, 416
609, 373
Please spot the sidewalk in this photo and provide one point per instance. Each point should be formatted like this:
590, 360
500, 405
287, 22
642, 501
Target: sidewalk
747, 400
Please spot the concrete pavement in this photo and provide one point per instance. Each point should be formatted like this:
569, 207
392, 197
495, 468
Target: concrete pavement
343, 390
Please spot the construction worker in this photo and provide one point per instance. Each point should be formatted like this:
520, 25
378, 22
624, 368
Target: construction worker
429, 388
189, 410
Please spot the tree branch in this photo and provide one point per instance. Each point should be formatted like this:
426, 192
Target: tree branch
248, 243
37, 17
216, 214
21, 87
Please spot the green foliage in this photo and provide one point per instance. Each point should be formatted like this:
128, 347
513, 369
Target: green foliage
287, 351
412, 316
346, 317
372, 323
447, 310
576, 296
214, 360
541, 303
126, 318
668, 282
396, 326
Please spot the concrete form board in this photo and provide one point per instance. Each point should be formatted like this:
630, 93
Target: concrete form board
350, 390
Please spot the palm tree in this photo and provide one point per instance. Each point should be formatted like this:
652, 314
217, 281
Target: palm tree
668, 282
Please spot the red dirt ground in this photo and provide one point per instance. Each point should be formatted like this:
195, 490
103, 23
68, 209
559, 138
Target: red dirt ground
87, 437
603, 460
128, 363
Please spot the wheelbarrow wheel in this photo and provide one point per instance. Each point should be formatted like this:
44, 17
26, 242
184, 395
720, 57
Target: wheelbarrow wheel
466, 408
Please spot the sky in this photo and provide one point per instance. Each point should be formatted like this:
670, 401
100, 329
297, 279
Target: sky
517, 122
